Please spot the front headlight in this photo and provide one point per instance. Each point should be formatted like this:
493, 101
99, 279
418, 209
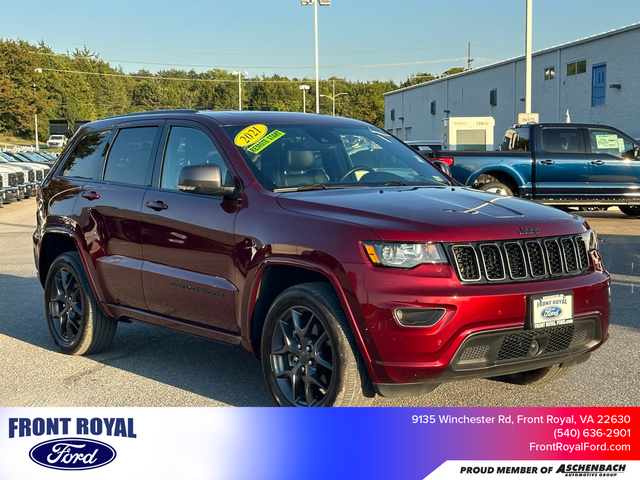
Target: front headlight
404, 255
590, 240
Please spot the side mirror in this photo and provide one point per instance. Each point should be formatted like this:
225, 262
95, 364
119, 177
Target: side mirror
443, 167
204, 180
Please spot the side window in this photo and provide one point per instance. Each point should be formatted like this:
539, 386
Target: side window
189, 146
560, 140
605, 141
130, 155
86, 158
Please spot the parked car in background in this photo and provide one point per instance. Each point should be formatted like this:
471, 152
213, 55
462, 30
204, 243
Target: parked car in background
324, 246
563, 164
56, 141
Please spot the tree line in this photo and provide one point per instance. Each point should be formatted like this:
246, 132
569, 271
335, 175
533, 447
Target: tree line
79, 86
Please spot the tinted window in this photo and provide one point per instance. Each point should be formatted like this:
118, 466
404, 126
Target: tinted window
189, 146
560, 140
516, 139
609, 142
86, 158
129, 156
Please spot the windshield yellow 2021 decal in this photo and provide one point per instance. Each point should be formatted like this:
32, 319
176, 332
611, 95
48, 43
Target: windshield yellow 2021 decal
265, 142
250, 135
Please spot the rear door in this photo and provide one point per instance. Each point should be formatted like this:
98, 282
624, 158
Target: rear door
614, 171
108, 212
561, 169
189, 245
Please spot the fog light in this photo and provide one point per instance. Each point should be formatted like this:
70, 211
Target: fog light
534, 348
418, 317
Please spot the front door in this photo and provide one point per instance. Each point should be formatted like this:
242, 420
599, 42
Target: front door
614, 170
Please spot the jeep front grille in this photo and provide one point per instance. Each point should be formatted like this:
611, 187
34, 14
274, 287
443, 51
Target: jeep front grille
519, 260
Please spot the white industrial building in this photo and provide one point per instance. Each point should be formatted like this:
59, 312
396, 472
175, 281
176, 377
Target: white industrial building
596, 78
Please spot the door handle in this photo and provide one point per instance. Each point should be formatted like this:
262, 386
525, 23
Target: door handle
157, 206
548, 162
90, 195
597, 162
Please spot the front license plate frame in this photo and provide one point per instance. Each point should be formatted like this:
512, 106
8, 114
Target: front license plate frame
550, 310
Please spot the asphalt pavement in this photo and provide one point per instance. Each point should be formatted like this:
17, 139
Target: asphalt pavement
151, 367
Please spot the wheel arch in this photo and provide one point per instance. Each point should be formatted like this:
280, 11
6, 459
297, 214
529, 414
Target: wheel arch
276, 276
507, 177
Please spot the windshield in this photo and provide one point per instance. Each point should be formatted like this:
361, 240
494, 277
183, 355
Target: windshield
288, 157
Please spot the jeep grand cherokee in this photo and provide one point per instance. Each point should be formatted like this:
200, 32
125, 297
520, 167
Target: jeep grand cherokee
324, 246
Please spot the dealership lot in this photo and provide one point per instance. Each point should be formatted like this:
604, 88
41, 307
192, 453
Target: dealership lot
147, 366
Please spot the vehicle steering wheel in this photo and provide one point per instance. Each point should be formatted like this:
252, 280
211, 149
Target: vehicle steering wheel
359, 168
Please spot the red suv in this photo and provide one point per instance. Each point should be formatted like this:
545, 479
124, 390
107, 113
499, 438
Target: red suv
341, 258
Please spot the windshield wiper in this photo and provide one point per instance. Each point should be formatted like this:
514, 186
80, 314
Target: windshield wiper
395, 183
302, 188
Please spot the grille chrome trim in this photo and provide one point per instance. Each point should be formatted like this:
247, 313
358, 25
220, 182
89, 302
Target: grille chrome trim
461, 268
485, 247
519, 260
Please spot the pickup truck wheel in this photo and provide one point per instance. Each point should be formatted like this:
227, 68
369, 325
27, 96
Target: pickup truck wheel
309, 357
497, 187
540, 375
631, 210
75, 322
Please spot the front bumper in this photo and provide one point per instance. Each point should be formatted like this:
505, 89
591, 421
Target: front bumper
479, 323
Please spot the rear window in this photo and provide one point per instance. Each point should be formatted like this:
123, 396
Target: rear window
86, 159
516, 140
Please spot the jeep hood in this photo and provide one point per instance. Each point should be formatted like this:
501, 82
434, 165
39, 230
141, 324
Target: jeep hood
434, 213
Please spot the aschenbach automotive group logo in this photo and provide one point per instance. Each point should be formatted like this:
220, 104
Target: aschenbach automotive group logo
72, 453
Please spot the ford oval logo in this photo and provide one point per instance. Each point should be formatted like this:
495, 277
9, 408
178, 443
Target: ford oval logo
551, 312
72, 454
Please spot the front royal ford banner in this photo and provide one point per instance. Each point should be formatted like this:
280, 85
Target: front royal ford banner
270, 443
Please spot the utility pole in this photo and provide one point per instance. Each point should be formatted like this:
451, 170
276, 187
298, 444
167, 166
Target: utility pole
527, 83
469, 59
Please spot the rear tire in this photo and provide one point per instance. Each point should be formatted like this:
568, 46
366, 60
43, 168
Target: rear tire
631, 210
497, 188
309, 357
76, 323
540, 375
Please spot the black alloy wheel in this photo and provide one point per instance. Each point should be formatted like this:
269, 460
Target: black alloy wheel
302, 357
76, 323
309, 358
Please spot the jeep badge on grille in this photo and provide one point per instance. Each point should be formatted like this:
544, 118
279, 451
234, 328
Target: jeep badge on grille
529, 231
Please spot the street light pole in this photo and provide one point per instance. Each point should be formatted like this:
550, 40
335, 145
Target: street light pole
304, 89
315, 16
37, 70
240, 74
333, 100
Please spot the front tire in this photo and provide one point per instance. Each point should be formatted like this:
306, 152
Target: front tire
309, 357
631, 210
76, 323
497, 188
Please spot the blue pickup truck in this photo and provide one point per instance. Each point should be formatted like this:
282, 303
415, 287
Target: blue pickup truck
564, 164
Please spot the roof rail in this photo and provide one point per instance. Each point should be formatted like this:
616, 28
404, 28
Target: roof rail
153, 112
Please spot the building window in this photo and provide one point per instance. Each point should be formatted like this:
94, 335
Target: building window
433, 107
576, 68
598, 85
550, 73
493, 97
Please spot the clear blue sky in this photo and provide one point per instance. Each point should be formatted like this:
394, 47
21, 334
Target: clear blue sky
358, 39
